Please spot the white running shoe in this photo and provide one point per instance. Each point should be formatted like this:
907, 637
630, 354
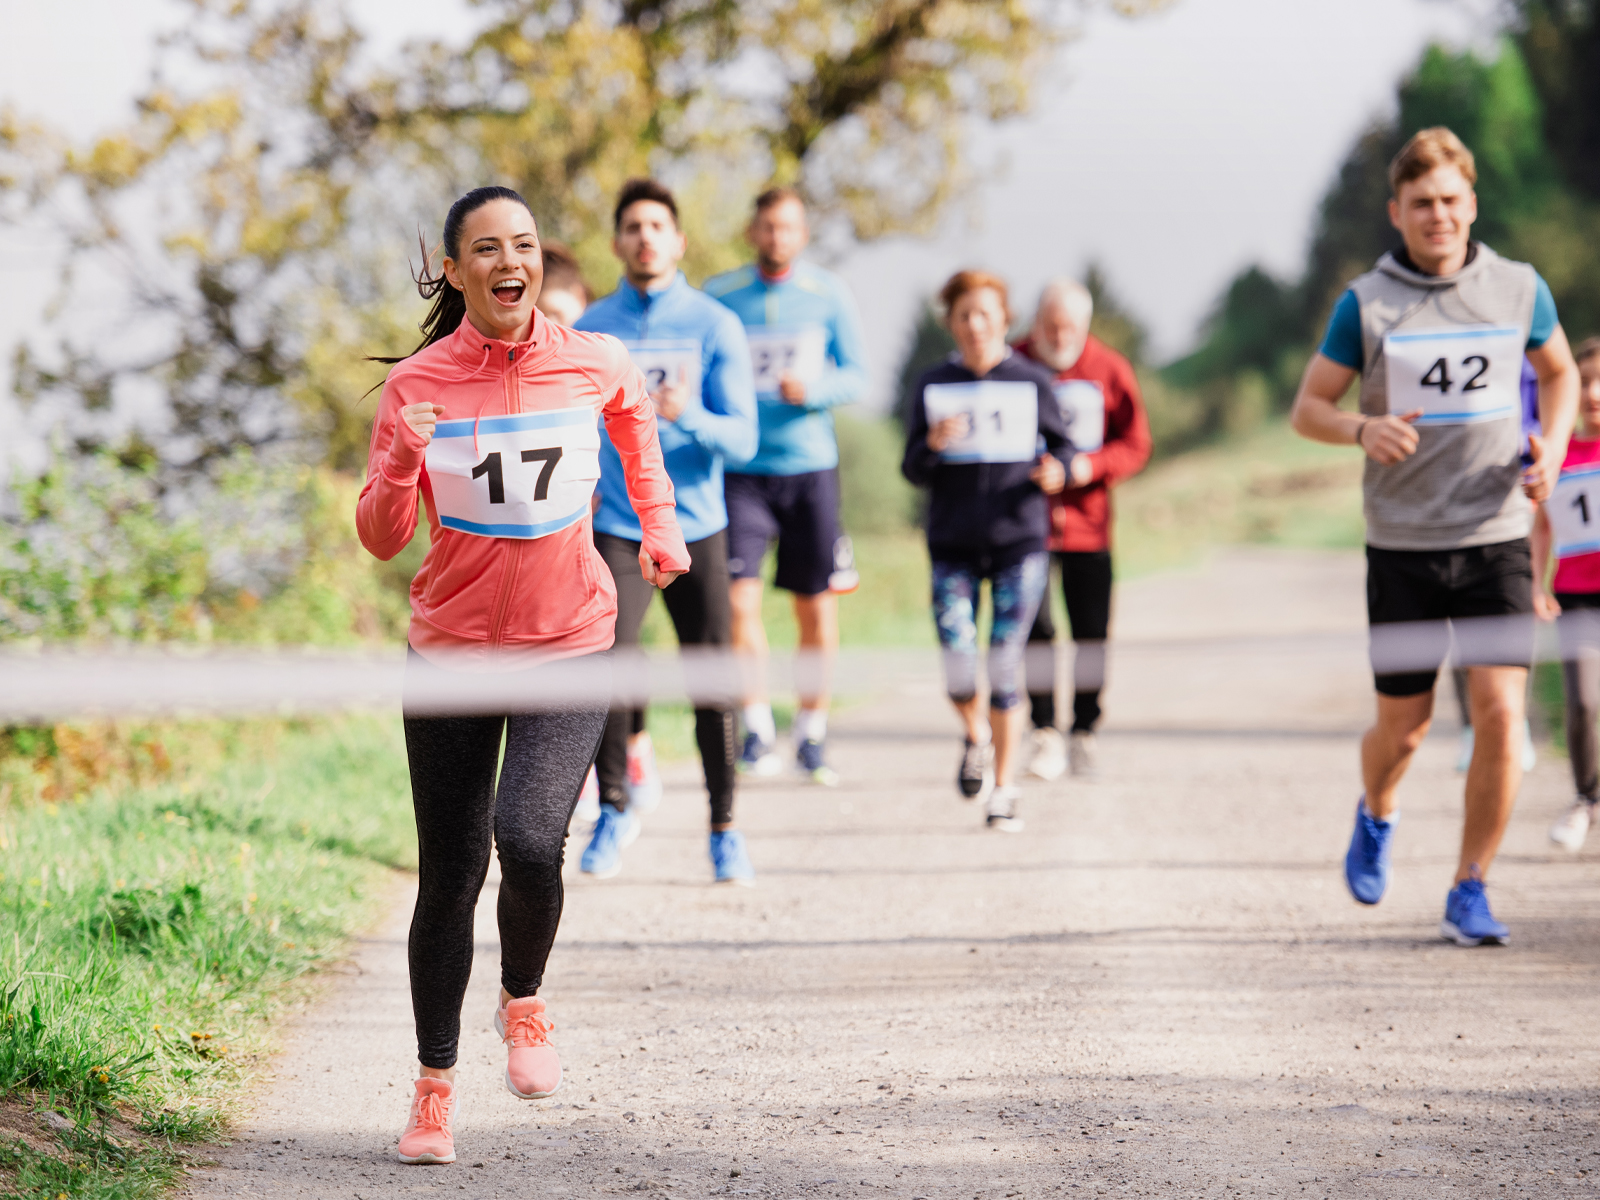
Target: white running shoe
1573, 826
1081, 756
588, 810
1000, 810
642, 781
975, 775
1047, 754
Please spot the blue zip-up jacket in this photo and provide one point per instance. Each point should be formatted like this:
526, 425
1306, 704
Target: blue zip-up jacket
719, 424
796, 438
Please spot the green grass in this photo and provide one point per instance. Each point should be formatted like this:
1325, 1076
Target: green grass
149, 933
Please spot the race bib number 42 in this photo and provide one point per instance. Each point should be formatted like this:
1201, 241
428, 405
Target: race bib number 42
528, 476
1083, 408
667, 362
1574, 510
1001, 419
775, 352
1456, 376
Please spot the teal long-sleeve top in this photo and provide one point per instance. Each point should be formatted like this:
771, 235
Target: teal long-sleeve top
683, 332
804, 322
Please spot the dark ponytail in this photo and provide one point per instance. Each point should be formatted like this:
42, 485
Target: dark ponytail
449, 306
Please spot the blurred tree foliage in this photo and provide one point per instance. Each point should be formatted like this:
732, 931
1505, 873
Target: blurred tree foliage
1531, 115
256, 226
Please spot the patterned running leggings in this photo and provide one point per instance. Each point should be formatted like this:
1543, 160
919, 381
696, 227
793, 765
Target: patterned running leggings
1015, 592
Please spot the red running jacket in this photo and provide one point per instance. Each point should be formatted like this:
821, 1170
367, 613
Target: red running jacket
1080, 518
494, 603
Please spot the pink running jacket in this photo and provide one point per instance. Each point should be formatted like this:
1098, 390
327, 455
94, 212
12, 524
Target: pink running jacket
494, 603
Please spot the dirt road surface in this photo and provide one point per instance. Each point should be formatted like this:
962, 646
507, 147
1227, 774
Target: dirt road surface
1160, 989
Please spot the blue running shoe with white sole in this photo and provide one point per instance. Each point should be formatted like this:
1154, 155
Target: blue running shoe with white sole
1467, 919
613, 833
758, 757
809, 761
1366, 863
730, 859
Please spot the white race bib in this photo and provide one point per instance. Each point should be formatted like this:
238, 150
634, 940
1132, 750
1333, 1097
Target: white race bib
775, 352
528, 476
1002, 419
1574, 510
667, 362
1456, 376
1083, 408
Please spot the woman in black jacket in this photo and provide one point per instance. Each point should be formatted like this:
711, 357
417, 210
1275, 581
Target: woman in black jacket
973, 438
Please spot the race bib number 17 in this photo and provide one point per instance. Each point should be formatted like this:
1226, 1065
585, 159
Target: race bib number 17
1456, 376
1001, 419
1574, 510
528, 475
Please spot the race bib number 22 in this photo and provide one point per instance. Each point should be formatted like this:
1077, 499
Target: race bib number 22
527, 475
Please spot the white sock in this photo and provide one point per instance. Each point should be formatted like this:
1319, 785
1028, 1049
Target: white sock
811, 725
758, 720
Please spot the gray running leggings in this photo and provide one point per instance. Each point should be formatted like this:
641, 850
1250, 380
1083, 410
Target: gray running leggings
1579, 629
454, 761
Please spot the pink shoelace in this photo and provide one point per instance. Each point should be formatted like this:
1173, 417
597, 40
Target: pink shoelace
430, 1111
530, 1029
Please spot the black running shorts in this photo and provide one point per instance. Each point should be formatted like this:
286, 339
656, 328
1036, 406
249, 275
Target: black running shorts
800, 512
1421, 602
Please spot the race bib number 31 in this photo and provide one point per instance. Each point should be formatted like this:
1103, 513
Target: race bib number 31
775, 352
1456, 376
1574, 510
1002, 419
528, 476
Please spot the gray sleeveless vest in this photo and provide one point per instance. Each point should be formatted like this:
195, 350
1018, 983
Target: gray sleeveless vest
1461, 487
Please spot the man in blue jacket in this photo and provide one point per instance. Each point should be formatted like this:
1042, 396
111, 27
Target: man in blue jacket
805, 342
697, 364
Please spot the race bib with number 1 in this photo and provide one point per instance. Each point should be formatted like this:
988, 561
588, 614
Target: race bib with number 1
528, 476
1574, 511
1456, 376
1002, 419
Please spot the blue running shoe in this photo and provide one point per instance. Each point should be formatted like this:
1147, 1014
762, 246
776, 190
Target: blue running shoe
613, 833
1366, 863
808, 760
1467, 919
731, 860
758, 757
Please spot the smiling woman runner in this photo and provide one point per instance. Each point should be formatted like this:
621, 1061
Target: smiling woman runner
493, 423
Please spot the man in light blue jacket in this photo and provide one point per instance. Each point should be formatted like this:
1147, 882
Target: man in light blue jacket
805, 343
696, 362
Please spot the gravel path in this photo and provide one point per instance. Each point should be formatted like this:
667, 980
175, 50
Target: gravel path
1160, 989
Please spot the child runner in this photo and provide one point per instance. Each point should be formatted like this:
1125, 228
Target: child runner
491, 423
972, 438
1571, 520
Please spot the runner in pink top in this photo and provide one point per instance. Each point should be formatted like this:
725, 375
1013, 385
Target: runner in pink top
1569, 523
492, 425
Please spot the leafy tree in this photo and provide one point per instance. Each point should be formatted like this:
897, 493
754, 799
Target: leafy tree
253, 225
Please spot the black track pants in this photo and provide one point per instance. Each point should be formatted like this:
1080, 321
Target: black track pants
1086, 588
701, 615
454, 761
1580, 667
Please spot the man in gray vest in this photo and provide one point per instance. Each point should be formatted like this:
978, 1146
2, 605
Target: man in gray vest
1437, 332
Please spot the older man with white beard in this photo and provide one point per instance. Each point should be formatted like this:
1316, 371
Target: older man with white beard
1099, 397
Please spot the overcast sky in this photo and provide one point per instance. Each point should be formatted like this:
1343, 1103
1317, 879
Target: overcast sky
1172, 149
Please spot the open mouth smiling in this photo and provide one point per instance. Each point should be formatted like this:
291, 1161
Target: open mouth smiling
509, 292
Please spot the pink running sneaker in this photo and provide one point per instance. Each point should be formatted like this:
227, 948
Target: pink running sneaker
427, 1137
533, 1068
